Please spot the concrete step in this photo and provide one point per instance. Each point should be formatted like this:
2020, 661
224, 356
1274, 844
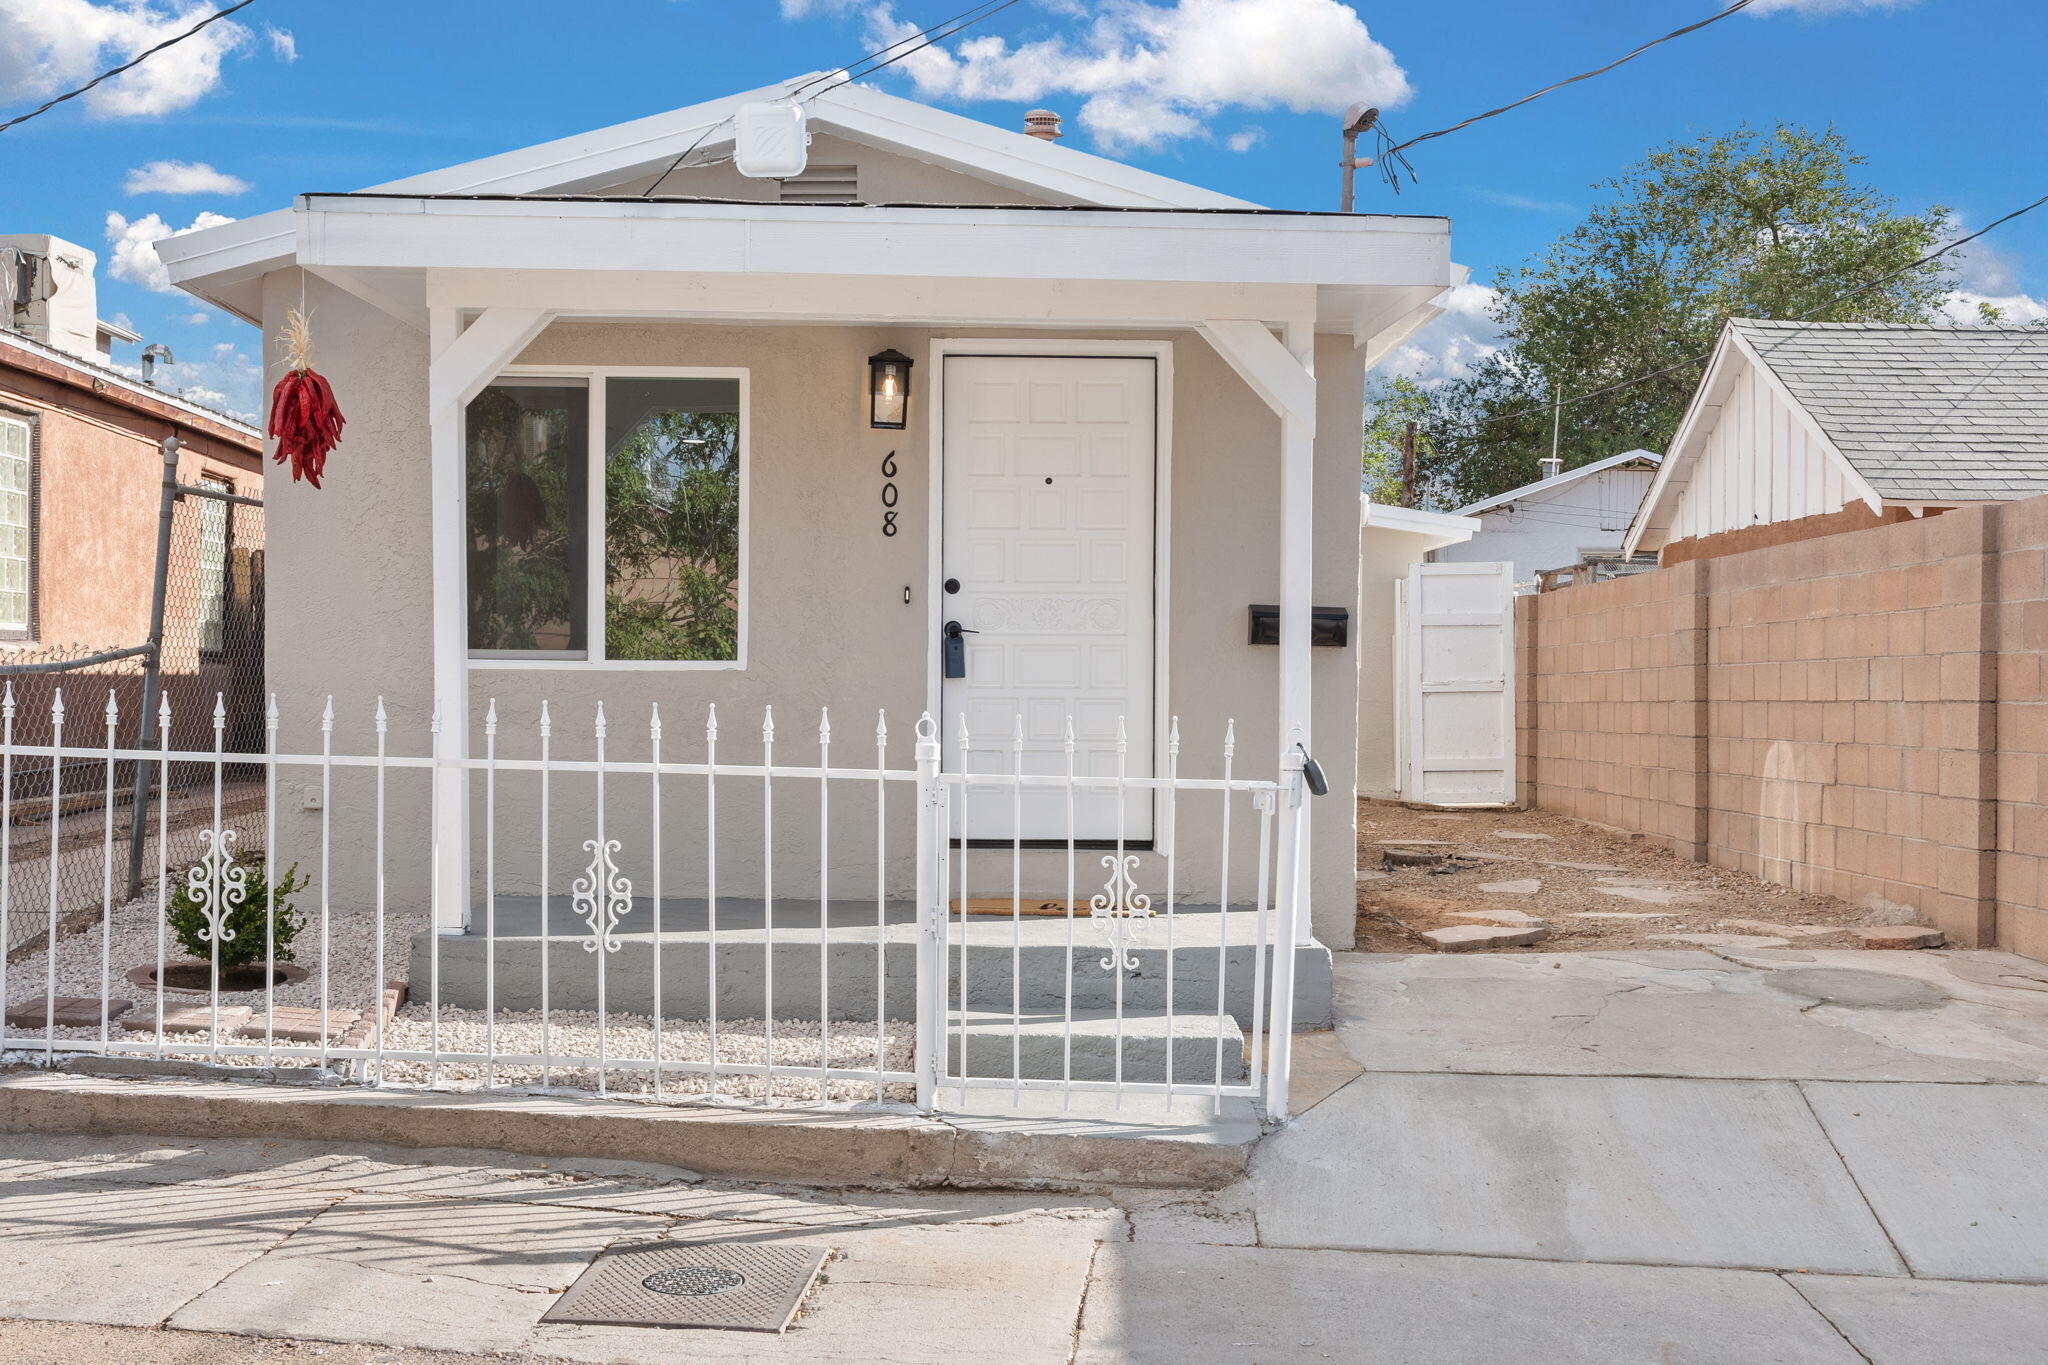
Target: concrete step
1053, 965
1035, 1047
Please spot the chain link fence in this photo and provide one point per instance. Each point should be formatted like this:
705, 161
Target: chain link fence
56, 816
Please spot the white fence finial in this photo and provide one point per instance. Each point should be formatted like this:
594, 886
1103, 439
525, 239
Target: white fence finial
547, 722
711, 724
270, 713
491, 717
1123, 741
326, 714
1229, 738
7, 705
600, 720
220, 709
383, 717
163, 717
654, 719
113, 709
824, 725
767, 725
882, 726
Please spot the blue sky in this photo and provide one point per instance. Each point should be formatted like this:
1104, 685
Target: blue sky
1942, 96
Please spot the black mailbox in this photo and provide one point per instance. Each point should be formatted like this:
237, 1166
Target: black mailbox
1329, 627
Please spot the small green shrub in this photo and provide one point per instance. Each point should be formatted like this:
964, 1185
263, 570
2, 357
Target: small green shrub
245, 922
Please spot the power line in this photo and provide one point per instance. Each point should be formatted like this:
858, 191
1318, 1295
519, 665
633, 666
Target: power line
1808, 316
840, 75
135, 61
1582, 76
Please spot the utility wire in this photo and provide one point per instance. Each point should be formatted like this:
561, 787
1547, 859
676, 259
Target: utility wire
133, 62
1582, 76
840, 75
1808, 316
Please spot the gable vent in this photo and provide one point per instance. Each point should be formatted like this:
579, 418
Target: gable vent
823, 185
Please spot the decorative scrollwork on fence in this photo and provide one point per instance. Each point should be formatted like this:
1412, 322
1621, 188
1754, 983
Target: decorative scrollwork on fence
217, 884
1117, 910
601, 896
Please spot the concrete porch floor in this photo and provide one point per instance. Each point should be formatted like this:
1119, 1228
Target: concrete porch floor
1660, 1157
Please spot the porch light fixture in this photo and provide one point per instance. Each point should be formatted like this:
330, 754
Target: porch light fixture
889, 390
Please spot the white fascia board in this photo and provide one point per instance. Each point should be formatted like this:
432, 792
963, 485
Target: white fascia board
974, 243
1437, 528
1703, 409
1545, 488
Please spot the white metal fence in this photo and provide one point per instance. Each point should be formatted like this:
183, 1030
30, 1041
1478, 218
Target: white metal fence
666, 919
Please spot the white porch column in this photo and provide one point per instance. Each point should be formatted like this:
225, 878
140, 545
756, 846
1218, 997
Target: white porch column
463, 362
1283, 373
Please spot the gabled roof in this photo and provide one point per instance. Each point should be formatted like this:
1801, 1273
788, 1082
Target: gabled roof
210, 263
1925, 414
1544, 488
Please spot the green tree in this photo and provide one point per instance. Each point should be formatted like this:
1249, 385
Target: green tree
1390, 406
1771, 223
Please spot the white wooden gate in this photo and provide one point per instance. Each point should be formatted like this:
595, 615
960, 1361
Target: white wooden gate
1454, 651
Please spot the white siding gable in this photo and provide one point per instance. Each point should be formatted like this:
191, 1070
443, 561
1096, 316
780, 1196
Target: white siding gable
1557, 527
1761, 461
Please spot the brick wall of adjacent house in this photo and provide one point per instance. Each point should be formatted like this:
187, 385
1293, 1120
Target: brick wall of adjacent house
1863, 715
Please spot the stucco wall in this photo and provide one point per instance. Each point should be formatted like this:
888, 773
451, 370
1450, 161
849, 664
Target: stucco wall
827, 624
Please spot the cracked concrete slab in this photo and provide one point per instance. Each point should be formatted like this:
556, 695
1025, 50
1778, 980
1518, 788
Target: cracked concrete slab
1931, 1322
1696, 1013
1656, 1172
1169, 1304
74, 1252
1954, 1171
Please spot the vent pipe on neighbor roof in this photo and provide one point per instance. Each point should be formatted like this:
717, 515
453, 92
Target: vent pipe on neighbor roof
1551, 466
1042, 124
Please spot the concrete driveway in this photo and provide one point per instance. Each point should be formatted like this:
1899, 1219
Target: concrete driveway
1814, 1158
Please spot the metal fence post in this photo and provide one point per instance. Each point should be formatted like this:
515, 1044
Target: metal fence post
152, 669
931, 913
1293, 877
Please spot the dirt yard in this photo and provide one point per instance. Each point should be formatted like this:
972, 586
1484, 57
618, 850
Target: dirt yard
1589, 888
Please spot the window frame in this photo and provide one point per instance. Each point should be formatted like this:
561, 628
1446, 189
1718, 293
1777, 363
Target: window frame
219, 483
594, 659
33, 421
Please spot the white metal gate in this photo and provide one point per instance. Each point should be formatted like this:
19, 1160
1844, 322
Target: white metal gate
1454, 653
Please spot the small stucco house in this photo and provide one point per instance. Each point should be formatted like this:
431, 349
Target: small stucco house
1567, 517
1803, 429
957, 420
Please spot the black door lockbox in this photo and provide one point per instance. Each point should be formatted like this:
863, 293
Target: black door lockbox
953, 653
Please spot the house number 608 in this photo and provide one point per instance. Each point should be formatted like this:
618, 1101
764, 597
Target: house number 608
889, 494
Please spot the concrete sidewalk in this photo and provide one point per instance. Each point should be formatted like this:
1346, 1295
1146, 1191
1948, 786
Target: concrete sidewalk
1656, 1157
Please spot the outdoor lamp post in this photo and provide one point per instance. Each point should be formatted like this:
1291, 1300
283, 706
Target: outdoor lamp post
889, 390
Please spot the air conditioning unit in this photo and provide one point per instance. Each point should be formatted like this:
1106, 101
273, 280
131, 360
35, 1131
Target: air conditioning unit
770, 141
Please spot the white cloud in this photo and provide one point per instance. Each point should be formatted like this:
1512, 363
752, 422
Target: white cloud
1524, 202
804, 9
182, 177
135, 259
1245, 138
50, 46
1150, 73
1962, 308
1451, 346
197, 319
283, 45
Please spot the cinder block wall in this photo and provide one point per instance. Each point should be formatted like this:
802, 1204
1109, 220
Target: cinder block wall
1862, 715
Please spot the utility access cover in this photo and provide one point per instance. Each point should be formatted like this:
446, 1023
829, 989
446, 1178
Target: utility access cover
739, 1286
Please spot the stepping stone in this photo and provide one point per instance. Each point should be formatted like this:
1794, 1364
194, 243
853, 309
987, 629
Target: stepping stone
1517, 834
1724, 940
1648, 895
1899, 936
1525, 886
1365, 877
1413, 857
1472, 938
1498, 916
72, 1011
1413, 843
1588, 867
1621, 914
188, 1019
296, 1024
1769, 930
1447, 817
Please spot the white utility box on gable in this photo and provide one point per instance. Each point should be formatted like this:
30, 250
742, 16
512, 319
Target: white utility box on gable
770, 142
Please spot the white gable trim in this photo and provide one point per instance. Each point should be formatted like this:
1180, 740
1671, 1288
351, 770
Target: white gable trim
1543, 488
1733, 358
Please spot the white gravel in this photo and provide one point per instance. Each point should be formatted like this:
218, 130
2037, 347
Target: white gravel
352, 983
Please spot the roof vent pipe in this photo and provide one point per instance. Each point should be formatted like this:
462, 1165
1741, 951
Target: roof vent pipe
1551, 466
1042, 124
150, 356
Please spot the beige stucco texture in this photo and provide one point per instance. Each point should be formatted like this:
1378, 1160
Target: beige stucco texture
826, 623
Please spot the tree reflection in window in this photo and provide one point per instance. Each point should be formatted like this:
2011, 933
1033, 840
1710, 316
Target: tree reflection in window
672, 519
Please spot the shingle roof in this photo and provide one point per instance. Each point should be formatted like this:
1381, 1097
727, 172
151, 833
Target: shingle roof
1931, 414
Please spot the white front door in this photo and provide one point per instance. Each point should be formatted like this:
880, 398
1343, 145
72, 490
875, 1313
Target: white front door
1048, 556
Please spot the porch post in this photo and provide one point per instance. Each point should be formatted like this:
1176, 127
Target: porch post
463, 362
1297, 578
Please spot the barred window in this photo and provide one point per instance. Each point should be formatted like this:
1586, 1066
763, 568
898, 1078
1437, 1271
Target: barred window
17, 572
213, 564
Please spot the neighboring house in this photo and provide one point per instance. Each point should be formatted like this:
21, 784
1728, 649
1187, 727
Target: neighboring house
534, 348
1803, 429
1570, 517
81, 474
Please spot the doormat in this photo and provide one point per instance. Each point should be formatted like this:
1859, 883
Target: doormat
735, 1286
